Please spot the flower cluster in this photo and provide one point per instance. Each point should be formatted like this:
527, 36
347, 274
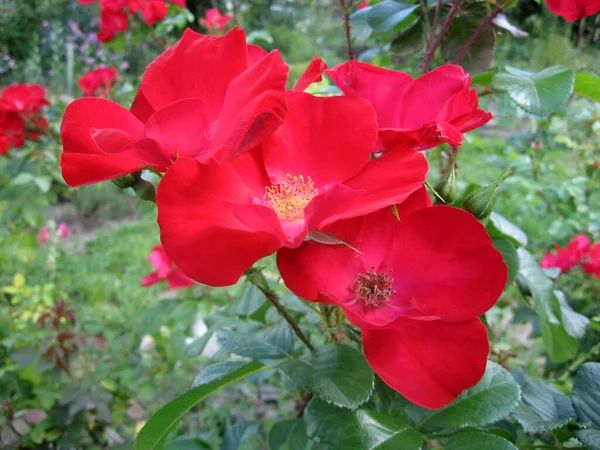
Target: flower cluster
21, 115
63, 231
114, 17
578, 250
333, 185
165, 270
573, 9
214, 20
98, 82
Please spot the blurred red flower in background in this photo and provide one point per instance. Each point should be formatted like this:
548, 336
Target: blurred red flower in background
214, 20
567, 258
592, 265
573, 9
98, 82
165, 270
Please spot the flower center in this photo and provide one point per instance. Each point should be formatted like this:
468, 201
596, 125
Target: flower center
373, 288
289, 198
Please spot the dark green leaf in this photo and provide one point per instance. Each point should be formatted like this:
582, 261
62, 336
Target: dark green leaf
275, 342
386, 15
157, 427
361, 429
251, 301
492, 399
216, 371
575, 324
509, 253
238, 436
586, 394
537, 93
359, 25
289, 435
507, 229
480, 52
410, 41
543, 408
197, 346
590, 438
337, 373
478, 440
587, 85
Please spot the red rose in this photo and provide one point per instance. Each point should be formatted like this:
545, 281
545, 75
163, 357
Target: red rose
213, 19
98, 82
314, 170
415, 285
165, 270
573, 9
152, 10
437, 107
567, 258
592, 265
111, 23
201, 98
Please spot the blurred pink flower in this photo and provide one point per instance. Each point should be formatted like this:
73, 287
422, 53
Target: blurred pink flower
215, 20
165, 270
43, 235
63, 230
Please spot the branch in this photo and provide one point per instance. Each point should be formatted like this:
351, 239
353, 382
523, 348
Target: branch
482, 26
257, 278
345, 12
428, 56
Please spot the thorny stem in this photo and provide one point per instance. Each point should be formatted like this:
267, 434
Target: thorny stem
305, 399
257, 278
482, 26
345, 6
431, 48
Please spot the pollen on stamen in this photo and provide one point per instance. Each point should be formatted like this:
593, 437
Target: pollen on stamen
289, 198
373, 288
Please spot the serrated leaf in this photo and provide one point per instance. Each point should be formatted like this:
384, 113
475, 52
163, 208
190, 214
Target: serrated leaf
509, 254
154, 432
586, 394
216, 371
336, 373
251, 301
587, 85
410, 41
537, 93
274, 342
361, 429
386, 15
558, 343
197, 346
237, 436
575, 324
478, 440
543, 407
480, 52
590, 438
289, 435
508, 228
492, 399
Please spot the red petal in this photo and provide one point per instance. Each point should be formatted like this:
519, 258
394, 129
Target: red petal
314, 72
198, 66
444, 264
140, 107
151, 279
199, 229
176, 279
428, 362
329, 139
255, 54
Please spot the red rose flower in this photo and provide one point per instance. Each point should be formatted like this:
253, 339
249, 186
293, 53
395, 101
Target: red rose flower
592, 265
573, 9
111, 23
567, 258
363, 5
165, 270
12, 129
222, 103
23, 98
98, 82
152, 10
437, 107
313, 73
314, 170
415, 286
213, 19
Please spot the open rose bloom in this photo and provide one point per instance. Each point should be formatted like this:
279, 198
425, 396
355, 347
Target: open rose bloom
332, 185
573, 9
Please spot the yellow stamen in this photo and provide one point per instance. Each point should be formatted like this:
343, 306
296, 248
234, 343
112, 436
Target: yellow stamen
289, 198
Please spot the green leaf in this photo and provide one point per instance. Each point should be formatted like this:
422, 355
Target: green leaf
478, 440
480, 52
509, 253
492, 399
590, 438
575, 324
197, 346
336, 373
586, 394
543, 407
216, 371
386, 15
483, 78
587, 85
410, 41
537, 93
507, 229
237, 436
158, 426
274, 342
289, 435
361, 429
558, 343
251, 301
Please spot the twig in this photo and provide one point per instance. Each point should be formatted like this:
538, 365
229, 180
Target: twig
257, 278
345, 12
428, 56
305, 398
482, 26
